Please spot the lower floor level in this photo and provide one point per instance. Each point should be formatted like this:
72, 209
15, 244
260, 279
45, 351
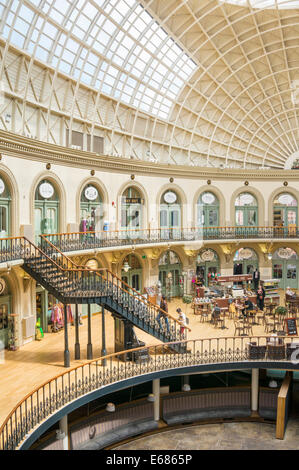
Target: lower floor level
171, 270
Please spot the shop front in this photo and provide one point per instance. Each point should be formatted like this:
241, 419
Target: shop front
246, 213
5, 311
285, 213
245, 261
207, 266
170, 216
208, 213
91, 210
170, 275
131, 213
46, 210
285, 268
131, 272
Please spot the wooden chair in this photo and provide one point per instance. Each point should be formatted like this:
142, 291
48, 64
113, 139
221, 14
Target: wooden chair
268, 324
238, 328
248, 328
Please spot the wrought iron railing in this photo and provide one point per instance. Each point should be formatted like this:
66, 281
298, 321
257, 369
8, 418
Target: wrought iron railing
74, 383
105, 239
71, 283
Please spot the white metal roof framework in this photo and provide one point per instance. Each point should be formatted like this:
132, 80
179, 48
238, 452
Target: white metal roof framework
201, 82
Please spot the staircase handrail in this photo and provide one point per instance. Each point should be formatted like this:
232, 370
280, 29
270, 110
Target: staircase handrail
87, 268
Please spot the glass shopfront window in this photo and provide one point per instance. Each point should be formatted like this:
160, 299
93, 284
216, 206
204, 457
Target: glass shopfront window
246, 210
285, 267
46, 209
208, 266
285, 211
91, 210
170, 275
245, 261
131, 212
170, 216
208, 210
131, 272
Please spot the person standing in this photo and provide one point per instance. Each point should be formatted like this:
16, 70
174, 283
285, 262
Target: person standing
256, 279
260, 298
182, 321
162, 310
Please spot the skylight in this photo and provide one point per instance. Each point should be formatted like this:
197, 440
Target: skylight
282, 4
114, 46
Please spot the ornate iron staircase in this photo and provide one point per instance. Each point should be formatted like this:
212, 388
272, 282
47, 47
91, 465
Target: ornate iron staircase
73, 284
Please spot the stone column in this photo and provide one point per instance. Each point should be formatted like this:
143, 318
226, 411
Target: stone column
254, 389
63, 427
156, 392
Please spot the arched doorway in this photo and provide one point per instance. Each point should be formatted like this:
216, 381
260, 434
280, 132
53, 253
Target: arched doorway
246, 210
131, 272
5, 209
208, 210
5, 311
170, 275
170, 215
245, 261
285, 267
91, 211
285, 210
208, 265
131, 212
46, 209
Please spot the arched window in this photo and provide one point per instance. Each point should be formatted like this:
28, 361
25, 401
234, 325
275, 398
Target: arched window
131, 211
285, 210
245, 261
170, 215
246, 210
5, 209
285, 267
170, 275
91, 213
46, 209
208, 210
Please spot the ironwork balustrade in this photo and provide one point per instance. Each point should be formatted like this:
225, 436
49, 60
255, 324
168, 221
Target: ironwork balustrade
74, 383
106, 239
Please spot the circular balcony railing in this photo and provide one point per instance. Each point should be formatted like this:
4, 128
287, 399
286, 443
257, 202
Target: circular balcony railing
64, 389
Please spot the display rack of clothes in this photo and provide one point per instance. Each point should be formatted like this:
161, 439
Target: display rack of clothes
57, 316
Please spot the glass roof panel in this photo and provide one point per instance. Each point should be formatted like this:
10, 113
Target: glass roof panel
97, 43
285, 4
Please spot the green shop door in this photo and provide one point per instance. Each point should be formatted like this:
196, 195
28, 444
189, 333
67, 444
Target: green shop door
46, 218
287, 273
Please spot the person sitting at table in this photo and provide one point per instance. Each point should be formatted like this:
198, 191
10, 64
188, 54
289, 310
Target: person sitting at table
249, 307
240, 307
215, 311
232, 309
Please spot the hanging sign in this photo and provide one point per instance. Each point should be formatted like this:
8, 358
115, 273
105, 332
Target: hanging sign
2, 285
208, 198
285, 253
285, 199
46, 190
2, 186
170, 197
207, 255
91, 193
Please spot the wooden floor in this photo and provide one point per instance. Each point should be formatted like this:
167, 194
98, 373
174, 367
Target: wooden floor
38, 361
